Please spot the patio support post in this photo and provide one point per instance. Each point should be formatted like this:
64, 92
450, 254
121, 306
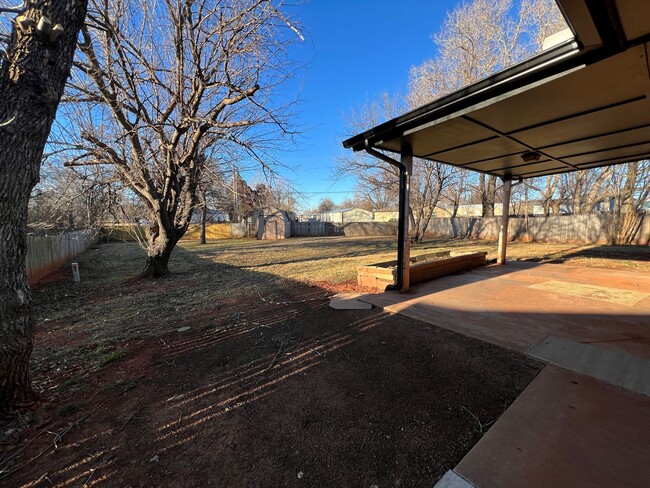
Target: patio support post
405, 166
503, 231
404, 244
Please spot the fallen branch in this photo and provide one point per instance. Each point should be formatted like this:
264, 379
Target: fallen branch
317, 352
481, 425
92, 473
58, 437
129, 387
275, 358
129, 418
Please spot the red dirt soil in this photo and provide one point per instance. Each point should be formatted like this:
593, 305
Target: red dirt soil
295, 394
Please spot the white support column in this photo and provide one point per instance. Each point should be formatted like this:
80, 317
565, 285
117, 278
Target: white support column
407, 161
503, 231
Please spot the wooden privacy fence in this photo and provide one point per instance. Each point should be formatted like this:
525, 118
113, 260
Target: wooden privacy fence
352, 229
224, 230
315, 229
581, 229
47, 253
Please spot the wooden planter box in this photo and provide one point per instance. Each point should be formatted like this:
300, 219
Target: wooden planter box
423, 268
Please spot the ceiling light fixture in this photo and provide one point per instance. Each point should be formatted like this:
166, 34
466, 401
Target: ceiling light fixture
531, 156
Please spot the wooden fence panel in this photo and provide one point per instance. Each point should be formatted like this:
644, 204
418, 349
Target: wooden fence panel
580, 229
47, 253
352, 229
315, 229
362, 229
642, 237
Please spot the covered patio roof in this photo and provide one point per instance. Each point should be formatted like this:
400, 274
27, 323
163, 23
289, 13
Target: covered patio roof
582, 104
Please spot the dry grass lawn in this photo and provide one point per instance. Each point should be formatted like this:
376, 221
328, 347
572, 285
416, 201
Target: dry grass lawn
335, 259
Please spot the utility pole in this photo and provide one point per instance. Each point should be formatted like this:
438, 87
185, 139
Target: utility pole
235, 191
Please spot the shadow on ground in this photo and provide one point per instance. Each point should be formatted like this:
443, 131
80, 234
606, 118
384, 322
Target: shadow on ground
631, 252
268, 387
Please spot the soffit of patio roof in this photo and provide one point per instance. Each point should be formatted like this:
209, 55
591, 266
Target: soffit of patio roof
582, 104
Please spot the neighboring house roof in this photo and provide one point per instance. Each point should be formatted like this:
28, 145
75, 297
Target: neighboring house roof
344, 210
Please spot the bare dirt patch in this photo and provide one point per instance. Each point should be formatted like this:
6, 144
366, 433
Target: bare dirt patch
233, 372
305, 397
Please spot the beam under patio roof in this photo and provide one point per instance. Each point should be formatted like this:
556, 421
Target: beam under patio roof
580, 105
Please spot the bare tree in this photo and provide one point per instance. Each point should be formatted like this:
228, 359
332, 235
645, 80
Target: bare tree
36, 62
456, 191
359, 201
476, 40
486, 189
545, 188
82, 198
580, 191
429, 181
325, 205
620, 191
630, 186
377, 180
159, 84
274, 193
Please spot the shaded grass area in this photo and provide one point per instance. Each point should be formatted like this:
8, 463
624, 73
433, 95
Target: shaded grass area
106, 306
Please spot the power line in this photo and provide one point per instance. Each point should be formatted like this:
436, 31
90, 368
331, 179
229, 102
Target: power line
324, 192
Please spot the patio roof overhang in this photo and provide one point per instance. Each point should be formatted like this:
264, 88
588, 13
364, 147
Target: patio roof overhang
582, 104
579, 105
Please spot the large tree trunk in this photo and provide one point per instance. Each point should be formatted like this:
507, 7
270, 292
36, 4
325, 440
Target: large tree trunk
161, 241
162, 238
32, 79
157, 265
551, 187
487, 194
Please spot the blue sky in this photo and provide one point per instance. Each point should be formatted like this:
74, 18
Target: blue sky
355, 51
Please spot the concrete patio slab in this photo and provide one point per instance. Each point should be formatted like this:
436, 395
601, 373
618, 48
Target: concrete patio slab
565, 430
593, 292
613, 367
497, 304
452, 480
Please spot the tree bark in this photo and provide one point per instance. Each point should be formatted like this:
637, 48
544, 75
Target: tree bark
32, 79
487, 194
161, 240
157, 266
